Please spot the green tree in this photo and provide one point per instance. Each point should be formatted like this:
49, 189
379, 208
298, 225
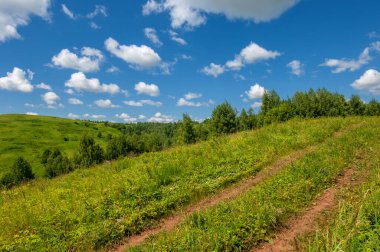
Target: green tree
223, 119
186, 132
373, 108
357, 106
270, 100
243, 120
22, 170
89, 152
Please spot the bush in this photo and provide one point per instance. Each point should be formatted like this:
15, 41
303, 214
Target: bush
20, 171
56, 164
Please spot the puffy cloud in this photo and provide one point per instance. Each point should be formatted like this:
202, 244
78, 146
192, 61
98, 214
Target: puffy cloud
113, 69
105, 103
72, 116
191, 13
140, 57
342, 65
79, 82
148, 89
190, 96
68, 12
31, 113
126, 118
255, 92
369, 81
43, 86
174, 36
16, 81
89, 62
182, 102
142, 103
75, 101
51, 99
17, 13
251, 54
151, 34
96, 117
160, 118
296, 67
141, 117
213, 70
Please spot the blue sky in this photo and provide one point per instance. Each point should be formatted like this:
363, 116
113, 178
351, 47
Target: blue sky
130, 61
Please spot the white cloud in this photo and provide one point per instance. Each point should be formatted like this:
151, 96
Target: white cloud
105, 103
72, 116
17, 13
126, 118
190, 96
75, 101
256, 105
96, 117
31, 113
251, 54
296, 67
142, 103
94, 25
100, 10
213, 70
151, 34
89, 62
174, 36
16, 81
191, 13
44, 86
113, 69
373, 34
141, 117
69, 91
68, 12
255, 92
182, 102
79, 82
369, 81
51, 99
148, 89
160, 118
140, 57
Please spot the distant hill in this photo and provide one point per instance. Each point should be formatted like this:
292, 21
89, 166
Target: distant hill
29, 136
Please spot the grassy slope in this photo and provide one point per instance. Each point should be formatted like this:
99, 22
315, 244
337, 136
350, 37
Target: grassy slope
253, 217
90, 208
29, 136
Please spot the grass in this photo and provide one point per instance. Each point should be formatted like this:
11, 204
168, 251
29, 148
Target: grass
91, 208
29, 136
254, 217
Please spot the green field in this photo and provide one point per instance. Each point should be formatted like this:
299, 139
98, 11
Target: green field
92, 208
28, 136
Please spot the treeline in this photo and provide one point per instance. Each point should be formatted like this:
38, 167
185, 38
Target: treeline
147, 137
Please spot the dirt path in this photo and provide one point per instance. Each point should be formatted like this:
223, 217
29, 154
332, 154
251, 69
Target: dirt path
304, 223
170, 222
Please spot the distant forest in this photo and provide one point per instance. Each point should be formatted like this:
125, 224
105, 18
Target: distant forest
148, 137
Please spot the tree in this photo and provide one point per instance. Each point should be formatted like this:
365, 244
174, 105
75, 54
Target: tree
89, 152
223, 119
22, 170
373, 108
357, 106
270, 100
186, 130
243, 120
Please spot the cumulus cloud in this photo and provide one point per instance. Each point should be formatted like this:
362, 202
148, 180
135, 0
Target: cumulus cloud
182, 102
31, 113
148, 89
16, 81
342, 65
51, 99
113, 69
160, 118
89, 62
174, 36
72, 116
80, 82
369, 81
256, 105
44, 86
75, 101
192, 13
142, 103
126, 118
93, 116
190, 96
213, 70
140, 57
151, 34
296, 67
17, 13
105, 103
68, 12
255, 92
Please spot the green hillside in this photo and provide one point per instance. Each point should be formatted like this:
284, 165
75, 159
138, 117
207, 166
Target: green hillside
29, 136
89, 209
